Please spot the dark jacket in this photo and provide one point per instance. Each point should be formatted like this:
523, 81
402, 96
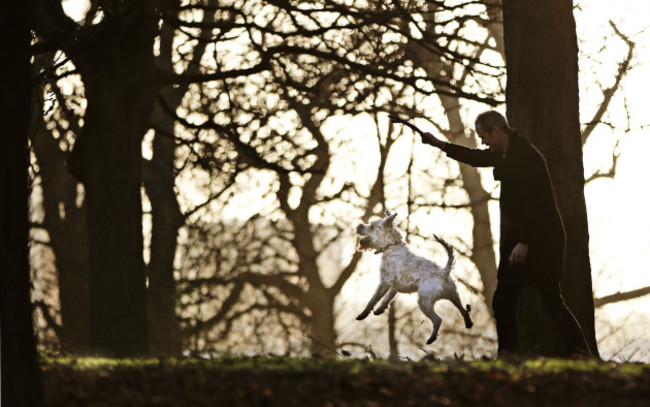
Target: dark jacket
528, 208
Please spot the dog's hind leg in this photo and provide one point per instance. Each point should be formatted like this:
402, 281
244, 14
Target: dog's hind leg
381, 291
464, 310
426, 305
384, 304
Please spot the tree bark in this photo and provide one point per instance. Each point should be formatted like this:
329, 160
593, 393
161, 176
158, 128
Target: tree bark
121, 82
543, 103
20, 374
68, 238
323, 336
65, 222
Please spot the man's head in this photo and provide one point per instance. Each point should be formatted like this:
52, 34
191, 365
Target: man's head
493, 130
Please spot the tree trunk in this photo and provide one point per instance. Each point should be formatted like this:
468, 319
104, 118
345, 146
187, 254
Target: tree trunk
323, 335
543, 103
393, 346
65, 222
121, 83
166, 218
20, 374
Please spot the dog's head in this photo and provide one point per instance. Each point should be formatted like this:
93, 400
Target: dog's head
379, 234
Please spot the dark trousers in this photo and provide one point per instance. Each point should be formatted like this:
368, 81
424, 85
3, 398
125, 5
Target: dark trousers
546, 278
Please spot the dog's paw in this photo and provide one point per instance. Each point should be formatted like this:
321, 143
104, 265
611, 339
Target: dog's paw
469, 323
362, 316
379, 311
432, 339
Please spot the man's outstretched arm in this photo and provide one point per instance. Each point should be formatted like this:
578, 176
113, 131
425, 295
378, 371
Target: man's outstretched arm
470, 156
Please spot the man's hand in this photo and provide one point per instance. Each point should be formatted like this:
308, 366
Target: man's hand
428, 138
519, 254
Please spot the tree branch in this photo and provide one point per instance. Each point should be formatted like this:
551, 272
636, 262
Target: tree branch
623, 69
621, 296
277, 281
189, 78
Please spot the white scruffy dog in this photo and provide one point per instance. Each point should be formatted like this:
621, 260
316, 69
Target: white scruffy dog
405, 272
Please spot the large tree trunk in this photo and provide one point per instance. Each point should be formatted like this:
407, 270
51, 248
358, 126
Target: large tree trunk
20, 376
121, 83
65, 222
542, 99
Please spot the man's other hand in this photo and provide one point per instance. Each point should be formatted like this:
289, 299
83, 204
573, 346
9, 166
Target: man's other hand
519, 254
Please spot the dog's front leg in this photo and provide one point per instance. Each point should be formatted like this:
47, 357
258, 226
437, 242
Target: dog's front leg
386, 301
381, 291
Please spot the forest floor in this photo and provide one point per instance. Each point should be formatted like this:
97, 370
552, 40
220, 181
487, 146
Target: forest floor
276, 381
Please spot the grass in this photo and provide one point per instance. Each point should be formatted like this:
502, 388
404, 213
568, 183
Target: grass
265, 380
518, 367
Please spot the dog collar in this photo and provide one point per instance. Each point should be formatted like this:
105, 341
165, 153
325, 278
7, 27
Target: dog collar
378, 251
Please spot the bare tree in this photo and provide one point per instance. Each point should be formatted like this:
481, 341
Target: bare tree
366, 78
106, 158
107, 153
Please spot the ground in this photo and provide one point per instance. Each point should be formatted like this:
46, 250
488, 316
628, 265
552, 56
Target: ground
271, 381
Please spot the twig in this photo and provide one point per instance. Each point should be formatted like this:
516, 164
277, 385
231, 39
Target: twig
406, 123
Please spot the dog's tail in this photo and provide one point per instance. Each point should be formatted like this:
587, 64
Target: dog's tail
450, 253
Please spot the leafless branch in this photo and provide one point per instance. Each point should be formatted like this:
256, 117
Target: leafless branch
608, 93
621, 296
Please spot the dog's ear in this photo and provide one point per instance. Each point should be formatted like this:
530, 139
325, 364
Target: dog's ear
390, 217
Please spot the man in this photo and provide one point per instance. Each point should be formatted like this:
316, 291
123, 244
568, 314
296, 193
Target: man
532, 234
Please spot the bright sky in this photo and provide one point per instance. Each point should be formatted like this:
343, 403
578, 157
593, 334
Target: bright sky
619, 220
617, 209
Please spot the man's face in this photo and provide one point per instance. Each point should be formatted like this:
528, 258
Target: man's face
489, 138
